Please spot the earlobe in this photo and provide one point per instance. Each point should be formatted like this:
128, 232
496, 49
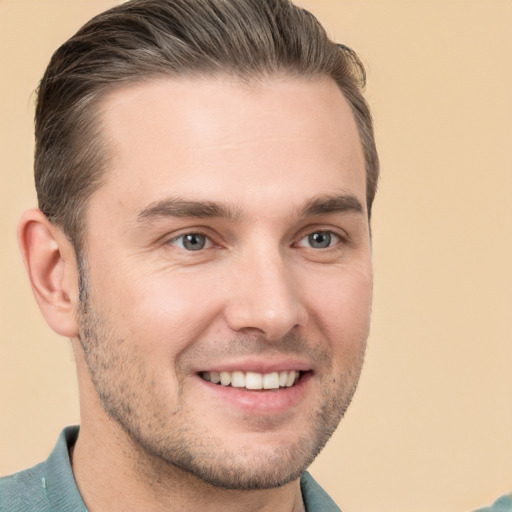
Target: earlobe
51, 266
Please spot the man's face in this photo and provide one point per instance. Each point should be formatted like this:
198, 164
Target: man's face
230, 241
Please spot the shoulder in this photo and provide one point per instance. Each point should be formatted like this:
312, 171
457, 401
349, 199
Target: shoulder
315, 498
503, 504
24, 491
47, 487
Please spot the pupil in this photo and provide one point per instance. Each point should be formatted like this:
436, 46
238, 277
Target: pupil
320, 240
194, 242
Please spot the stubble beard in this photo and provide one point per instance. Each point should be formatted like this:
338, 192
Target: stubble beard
162, 440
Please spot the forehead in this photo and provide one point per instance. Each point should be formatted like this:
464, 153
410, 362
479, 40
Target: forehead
229, 140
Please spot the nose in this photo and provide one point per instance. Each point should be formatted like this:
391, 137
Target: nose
264, 297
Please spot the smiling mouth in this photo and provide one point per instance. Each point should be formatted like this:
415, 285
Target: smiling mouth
253, 380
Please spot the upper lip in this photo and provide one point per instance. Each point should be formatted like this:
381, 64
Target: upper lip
257, 365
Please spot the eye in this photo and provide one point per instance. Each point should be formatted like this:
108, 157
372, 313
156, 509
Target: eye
191, 241
319, 240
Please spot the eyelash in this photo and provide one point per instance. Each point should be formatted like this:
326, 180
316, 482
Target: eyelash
332, 237
333, 240
208, 241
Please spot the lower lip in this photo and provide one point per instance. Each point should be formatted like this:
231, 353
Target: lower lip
274, 401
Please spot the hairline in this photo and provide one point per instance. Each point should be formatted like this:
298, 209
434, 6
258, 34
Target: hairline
99, 136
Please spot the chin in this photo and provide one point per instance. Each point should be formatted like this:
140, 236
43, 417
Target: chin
256, 471
244, 462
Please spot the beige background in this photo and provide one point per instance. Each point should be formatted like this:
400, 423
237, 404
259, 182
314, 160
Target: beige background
431, 426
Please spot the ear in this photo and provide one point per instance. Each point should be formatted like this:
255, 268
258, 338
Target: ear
51, 265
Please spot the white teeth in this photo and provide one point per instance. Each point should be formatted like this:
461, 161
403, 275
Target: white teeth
238, 380
225, 378
291, 379
271, 380
253, 380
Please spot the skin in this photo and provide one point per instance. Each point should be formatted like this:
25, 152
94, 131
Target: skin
254, 171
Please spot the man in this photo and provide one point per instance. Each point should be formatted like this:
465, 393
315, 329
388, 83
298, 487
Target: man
205, 172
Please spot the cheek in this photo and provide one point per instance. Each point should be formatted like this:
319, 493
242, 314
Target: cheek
342, 312
166, 310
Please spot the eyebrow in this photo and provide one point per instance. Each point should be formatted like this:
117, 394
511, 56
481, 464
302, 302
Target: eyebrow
177, 207
345, 203
181, 208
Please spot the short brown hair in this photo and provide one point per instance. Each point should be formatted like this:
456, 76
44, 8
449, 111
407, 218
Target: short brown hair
143, 39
